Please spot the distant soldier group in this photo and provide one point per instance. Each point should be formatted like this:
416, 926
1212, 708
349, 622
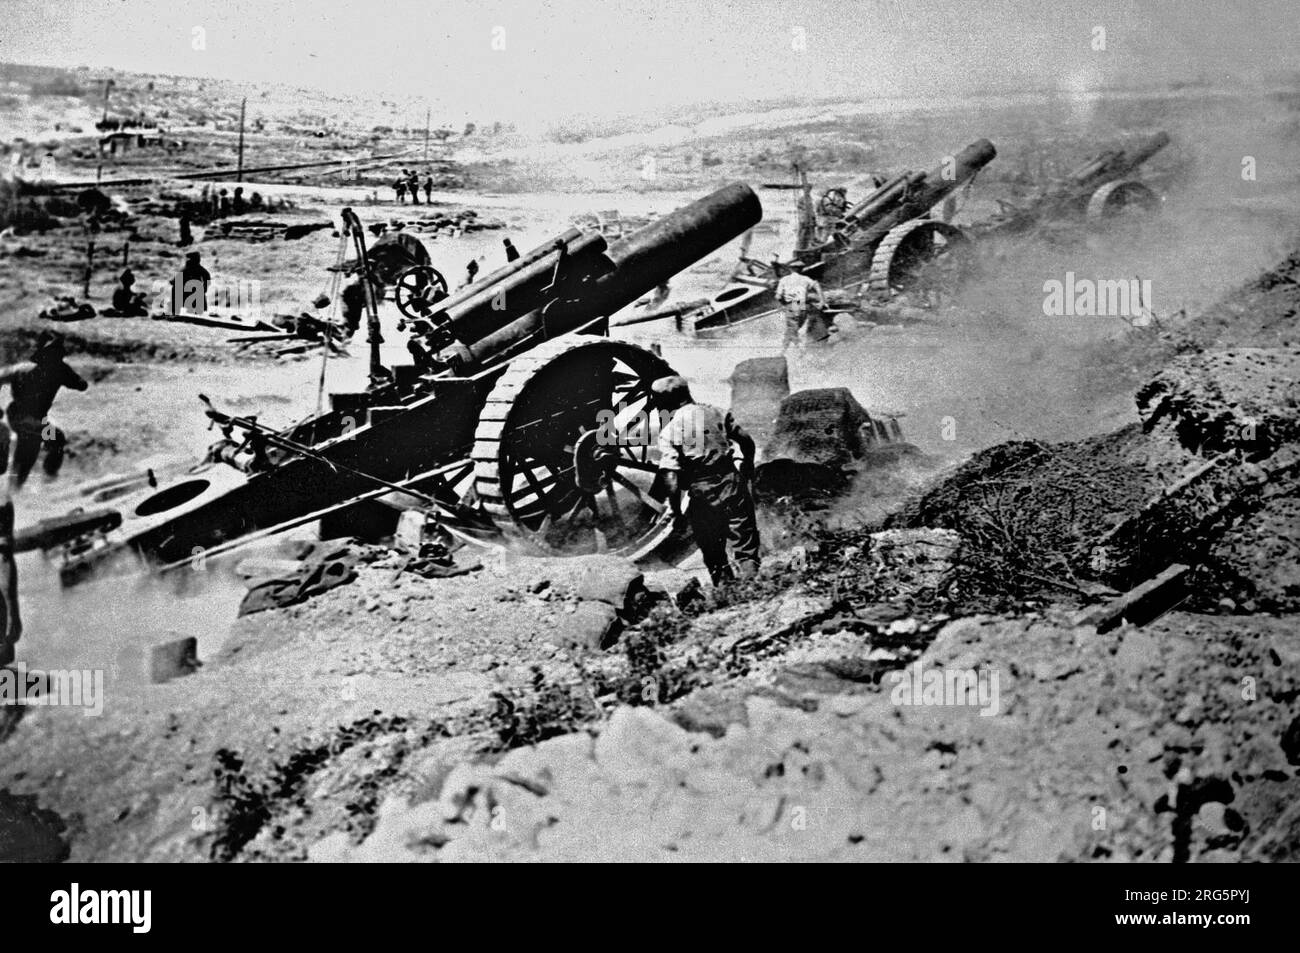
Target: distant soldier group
214, 204
409, 182
221, 203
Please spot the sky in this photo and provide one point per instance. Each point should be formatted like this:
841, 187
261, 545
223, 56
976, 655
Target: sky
516, 59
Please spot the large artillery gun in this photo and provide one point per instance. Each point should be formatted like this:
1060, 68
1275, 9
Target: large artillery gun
529, 418
880, 245
1100, 190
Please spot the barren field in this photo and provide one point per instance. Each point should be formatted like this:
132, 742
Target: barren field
475, 718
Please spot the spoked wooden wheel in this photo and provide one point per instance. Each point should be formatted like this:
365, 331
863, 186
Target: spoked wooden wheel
1118, 199
418, 289
566, 448
903, 255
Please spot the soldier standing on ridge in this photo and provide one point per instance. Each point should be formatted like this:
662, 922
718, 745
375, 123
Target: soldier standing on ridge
695, 455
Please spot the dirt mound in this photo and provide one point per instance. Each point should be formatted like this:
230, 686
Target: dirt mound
1246, 399
1203, 481
1262, 313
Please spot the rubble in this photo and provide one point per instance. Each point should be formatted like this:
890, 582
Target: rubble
1121, 507
1245, 399
321, 570
263, 230
446, 224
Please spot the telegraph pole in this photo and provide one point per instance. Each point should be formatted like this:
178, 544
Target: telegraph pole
239, 174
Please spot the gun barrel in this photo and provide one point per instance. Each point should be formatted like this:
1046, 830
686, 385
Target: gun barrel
1145, 149
883, 197
489, 306
1117, 163
505, 271
925, 191
641, 262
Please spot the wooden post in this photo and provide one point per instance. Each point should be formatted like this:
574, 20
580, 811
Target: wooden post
1143, 603
90, 267
239, 173
126, 253
427, 112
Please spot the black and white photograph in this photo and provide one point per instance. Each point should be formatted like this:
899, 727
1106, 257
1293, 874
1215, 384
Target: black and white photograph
650, 431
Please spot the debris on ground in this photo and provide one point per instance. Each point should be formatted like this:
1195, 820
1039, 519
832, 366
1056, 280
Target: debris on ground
318, 572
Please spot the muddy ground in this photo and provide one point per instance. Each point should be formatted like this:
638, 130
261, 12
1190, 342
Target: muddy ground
462, 719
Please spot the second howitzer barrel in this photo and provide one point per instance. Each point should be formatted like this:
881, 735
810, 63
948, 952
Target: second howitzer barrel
633, 266
1117, 163
487, 305
908, 197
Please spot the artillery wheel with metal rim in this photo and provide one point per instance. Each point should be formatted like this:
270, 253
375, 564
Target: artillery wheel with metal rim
1121, 198
417, 289
566, 448
900, 258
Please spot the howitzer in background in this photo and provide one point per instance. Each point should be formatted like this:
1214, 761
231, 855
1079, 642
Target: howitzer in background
1099, 189
883, 241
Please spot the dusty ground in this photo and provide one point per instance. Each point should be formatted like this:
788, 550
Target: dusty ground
305, 724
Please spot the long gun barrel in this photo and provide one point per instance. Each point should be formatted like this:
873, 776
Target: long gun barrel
559, 293
883, 198
488, 305
1117, 163
493, 278
913, 194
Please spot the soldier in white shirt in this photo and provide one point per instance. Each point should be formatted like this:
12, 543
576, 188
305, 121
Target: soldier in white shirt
695, 455
801, 300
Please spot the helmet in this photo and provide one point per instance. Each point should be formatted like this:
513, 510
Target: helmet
670, 392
